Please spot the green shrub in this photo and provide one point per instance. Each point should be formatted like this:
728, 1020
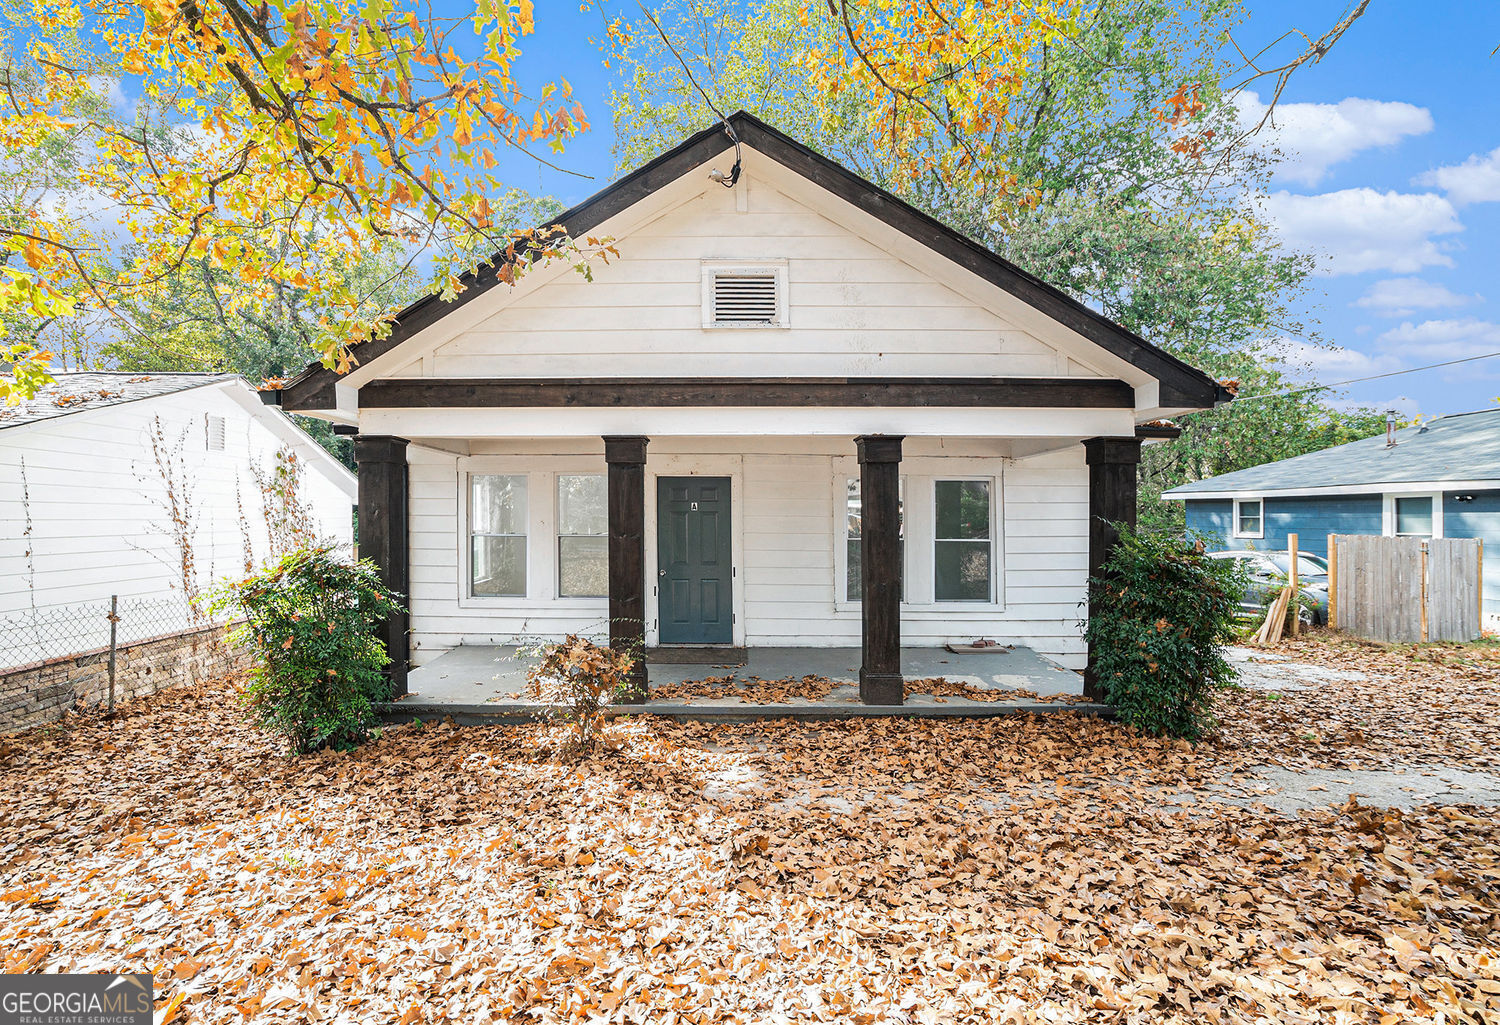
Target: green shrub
1160, 615
310, 621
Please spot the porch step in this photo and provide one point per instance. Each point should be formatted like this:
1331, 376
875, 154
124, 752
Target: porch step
516, 713
690, 655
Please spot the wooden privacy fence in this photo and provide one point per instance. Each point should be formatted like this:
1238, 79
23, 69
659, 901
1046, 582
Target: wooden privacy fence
1405, 589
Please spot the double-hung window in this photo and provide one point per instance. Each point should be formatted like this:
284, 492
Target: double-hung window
497, 535
1248, 519
963, 562
853, 533
582, 536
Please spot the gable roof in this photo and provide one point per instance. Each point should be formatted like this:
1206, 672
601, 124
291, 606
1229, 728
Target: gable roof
1462, 449
1181, 385
76, 392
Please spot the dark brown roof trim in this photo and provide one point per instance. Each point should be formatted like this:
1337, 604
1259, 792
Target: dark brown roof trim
1182, 386
949, 392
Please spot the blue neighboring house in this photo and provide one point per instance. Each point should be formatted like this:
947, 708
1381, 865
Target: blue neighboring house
1441, 479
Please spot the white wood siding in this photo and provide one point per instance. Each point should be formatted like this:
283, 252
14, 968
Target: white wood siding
786, 505
854, 309
95, 527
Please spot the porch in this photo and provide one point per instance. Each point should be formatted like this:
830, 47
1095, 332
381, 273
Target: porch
891, 543
476, 684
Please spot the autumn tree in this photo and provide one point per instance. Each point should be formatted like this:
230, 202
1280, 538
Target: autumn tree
1105, 155
275, 145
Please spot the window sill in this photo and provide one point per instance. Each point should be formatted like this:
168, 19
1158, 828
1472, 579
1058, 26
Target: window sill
852, 609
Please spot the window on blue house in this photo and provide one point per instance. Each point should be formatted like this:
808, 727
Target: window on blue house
1414, 516
1248, 520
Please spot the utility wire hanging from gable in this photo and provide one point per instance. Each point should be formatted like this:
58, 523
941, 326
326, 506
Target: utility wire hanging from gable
727, 180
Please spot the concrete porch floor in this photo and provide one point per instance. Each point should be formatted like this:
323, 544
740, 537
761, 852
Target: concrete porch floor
477, 684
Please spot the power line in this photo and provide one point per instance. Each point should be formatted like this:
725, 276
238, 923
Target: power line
729, 180
1358, 380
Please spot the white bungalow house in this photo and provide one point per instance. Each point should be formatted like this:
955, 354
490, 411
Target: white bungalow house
793, 411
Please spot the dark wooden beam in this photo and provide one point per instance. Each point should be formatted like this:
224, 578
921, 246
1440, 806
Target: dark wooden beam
1112, 499
315, 393
961, 392
625, 458
383, 536
880, 680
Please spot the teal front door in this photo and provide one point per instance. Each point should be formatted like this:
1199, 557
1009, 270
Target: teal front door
695, 580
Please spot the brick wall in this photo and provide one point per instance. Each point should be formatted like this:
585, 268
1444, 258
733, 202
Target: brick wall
43, 691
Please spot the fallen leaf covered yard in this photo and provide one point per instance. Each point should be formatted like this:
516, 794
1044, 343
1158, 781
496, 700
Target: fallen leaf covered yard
792, 413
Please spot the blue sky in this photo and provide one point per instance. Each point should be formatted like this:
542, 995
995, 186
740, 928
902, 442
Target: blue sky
1393, 179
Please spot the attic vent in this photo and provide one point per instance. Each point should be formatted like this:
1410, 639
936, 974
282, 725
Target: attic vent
213, 433
744, 297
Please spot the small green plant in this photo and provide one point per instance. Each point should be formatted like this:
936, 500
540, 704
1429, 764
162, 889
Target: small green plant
310, 620
1161, 613
577, 678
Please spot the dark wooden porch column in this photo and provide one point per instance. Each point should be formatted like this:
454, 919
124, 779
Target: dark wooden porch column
382, 535
1112, 499
880, 680
626, 458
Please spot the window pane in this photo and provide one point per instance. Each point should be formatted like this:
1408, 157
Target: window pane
963, 509
961, 571
1414, 516
499, 566
582, 504
852, 563
498, 504
583, 567
1250, 517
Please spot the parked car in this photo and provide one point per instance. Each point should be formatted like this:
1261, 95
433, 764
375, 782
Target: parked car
1269, 573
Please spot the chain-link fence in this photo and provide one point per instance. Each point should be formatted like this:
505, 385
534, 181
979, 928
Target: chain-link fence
48, 632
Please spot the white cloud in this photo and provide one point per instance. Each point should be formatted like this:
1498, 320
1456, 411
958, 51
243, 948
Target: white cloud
1399, 297
1314, 136
1476, 180
1433, 341
1358, 230
1305, 363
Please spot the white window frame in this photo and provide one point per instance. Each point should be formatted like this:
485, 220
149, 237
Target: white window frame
921, 528
1388, 512
841, 599
994, 539
1235, 505
468, 535
541, 474
712, 268
558, 535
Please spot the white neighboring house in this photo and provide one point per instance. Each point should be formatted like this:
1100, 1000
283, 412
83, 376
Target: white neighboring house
792, 412
84, 504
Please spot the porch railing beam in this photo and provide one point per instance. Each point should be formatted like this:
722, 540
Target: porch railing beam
880, 681
625, 456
